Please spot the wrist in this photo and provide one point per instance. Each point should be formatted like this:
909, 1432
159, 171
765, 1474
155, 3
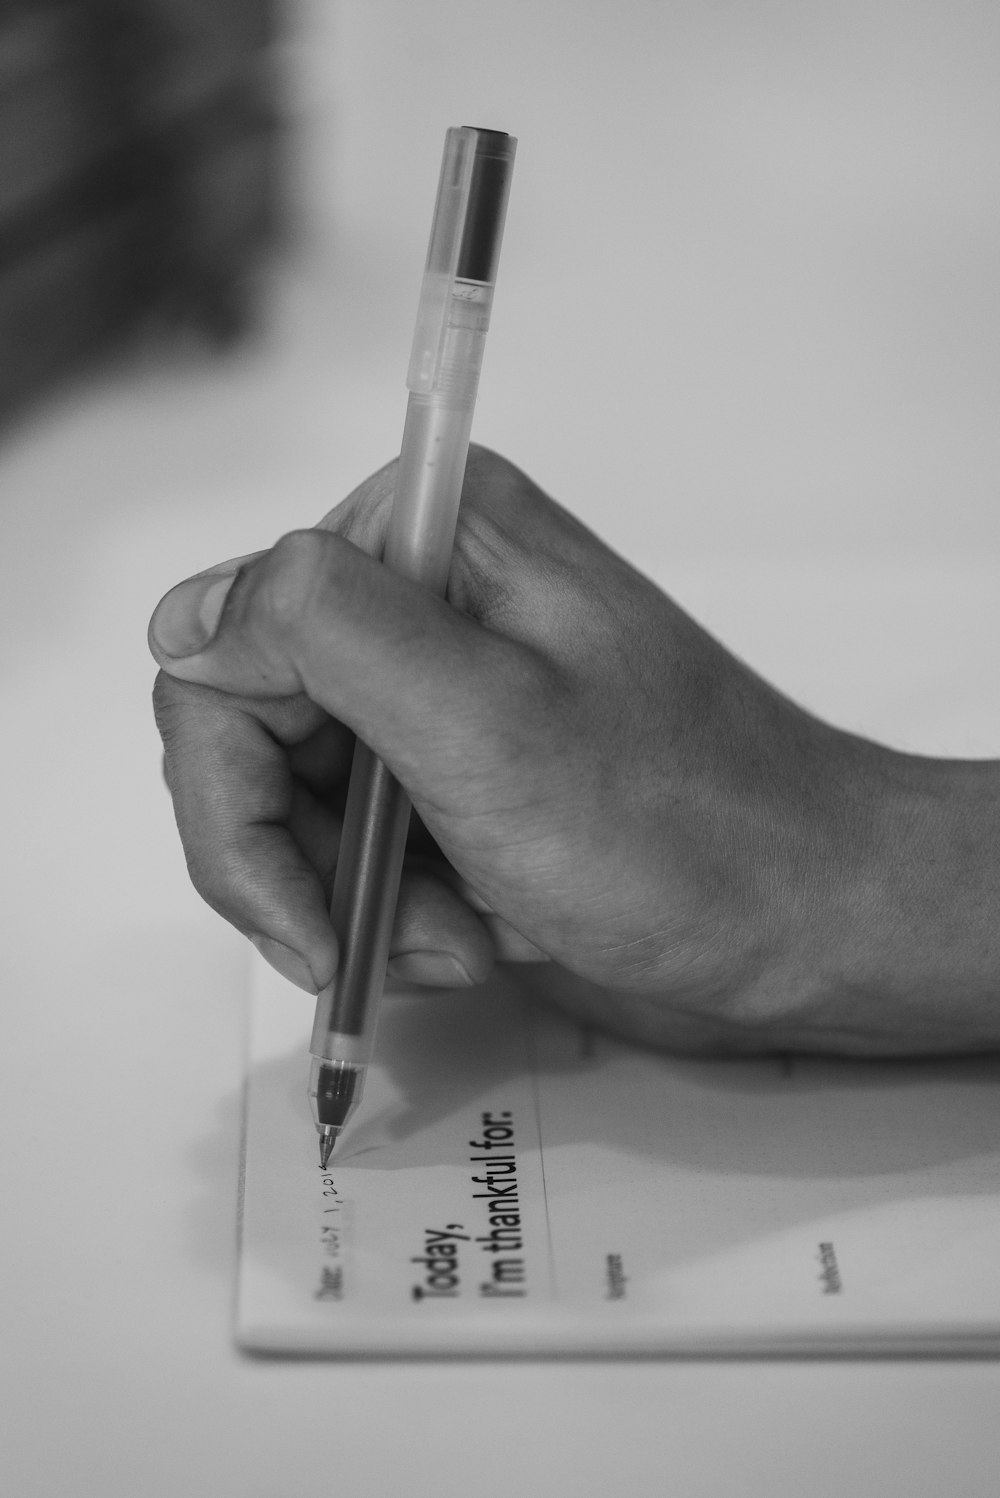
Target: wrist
900, 953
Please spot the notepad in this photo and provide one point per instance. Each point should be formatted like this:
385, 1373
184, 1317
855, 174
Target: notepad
514, 1185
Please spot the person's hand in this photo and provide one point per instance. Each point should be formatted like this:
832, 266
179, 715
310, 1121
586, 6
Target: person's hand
604, 793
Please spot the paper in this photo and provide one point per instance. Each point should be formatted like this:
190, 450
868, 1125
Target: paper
514, 1185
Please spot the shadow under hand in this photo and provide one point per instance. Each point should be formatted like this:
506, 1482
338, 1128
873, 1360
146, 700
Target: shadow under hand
797, 1117
792, 1137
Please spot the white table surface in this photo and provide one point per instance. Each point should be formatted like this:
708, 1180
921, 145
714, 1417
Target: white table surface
833, 569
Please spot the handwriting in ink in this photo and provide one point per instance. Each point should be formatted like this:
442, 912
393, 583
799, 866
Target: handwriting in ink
331, 1279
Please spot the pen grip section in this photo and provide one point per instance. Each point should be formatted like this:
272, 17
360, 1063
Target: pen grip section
363, 907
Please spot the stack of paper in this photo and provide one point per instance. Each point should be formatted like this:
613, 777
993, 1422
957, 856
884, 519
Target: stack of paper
514, 1185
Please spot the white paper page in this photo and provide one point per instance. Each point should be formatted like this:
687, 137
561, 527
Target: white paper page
514, 1185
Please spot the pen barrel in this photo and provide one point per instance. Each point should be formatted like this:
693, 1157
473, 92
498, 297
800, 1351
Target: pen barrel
432, 461
376, 817
365, 891
452, 322
435, 446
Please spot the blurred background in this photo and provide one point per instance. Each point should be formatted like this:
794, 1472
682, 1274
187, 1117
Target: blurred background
137, 176
749, 305
750, 275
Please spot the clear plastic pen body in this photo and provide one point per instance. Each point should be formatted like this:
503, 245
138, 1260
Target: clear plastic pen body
376, 816
443, 379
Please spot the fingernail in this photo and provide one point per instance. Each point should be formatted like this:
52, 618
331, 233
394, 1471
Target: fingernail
187, 618
432, 969
286, 962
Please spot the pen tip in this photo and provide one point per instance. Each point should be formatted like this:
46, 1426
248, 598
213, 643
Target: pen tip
326, 1143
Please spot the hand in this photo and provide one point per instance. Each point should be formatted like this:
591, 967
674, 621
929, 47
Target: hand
674, 850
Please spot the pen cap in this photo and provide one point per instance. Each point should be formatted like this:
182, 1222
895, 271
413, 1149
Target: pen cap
465, 239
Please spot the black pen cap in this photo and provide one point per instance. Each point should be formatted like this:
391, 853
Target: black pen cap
486, 205
466, 233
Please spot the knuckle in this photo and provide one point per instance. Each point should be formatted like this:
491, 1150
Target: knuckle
295, 567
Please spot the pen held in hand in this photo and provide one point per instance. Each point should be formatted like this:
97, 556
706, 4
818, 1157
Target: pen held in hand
443, 379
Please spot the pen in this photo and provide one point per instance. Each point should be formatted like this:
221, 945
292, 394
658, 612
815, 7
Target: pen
442, 379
